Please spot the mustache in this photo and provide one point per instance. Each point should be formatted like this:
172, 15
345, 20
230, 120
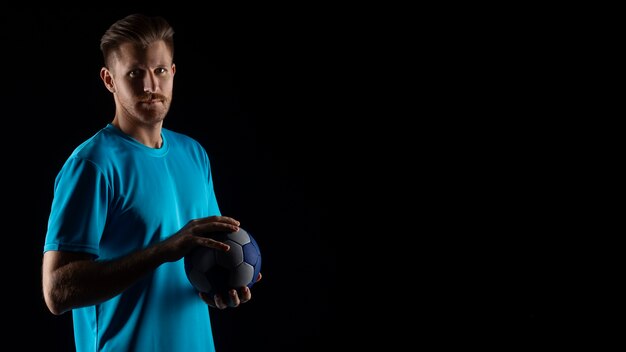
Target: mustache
152, 96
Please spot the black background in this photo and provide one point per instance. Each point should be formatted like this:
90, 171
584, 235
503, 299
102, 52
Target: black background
445, 140
258, 92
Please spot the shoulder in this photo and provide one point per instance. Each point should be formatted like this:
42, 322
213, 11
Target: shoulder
98, 148
98, 151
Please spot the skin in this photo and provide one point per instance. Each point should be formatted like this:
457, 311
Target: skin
141, 80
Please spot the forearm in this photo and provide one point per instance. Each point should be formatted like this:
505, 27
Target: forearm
88, 282
73, 280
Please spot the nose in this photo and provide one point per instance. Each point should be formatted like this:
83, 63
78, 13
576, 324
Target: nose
150, 83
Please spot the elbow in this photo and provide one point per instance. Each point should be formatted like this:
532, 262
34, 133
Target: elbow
53, 297
54, 307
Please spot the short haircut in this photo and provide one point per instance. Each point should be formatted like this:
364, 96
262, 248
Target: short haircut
138, 29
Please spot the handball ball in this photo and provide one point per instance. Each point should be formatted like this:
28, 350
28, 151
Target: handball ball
213, 271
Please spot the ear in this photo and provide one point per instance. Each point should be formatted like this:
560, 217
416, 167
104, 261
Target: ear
107, 78
173, 69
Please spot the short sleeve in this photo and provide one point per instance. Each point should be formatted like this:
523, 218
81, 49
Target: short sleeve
79, 208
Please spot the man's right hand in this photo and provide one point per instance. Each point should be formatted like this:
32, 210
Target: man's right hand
197, 232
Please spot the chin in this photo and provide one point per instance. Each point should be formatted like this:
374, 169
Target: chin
154, 120
152, 116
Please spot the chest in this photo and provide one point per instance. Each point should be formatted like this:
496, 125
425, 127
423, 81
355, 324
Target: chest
153, 190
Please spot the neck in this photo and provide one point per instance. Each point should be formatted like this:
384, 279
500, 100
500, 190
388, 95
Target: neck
148, 135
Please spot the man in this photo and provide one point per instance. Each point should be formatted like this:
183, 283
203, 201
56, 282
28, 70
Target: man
128, 204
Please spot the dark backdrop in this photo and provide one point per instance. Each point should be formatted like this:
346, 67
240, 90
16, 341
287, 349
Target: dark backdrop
254, 91
272, 93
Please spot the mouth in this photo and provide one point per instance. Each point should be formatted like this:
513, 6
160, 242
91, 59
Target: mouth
151, 99
150, 102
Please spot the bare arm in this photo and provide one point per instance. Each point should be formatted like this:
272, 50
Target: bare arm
72, 280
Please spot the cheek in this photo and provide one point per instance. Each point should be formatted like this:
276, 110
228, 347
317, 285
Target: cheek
127, 88
168, 84
134, 90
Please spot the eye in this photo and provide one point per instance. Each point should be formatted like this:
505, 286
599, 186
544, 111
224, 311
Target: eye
134, 73
160, 70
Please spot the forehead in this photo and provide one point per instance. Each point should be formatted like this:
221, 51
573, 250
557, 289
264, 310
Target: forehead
155, 54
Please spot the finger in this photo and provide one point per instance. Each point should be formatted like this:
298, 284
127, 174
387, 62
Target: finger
246, 294
234, 298
219, 302
207, 299
220, 218
211, 243
200, 228
227, 219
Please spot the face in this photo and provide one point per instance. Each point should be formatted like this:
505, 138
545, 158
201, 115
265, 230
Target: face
141, 80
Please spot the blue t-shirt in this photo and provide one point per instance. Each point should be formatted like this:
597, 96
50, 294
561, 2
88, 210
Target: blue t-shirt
114, 196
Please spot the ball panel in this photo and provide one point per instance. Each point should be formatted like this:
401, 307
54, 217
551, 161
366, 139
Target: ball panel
240, 236
218, 277
257, 266
250, 254
242, 276
202, 258
232, 258
199, 281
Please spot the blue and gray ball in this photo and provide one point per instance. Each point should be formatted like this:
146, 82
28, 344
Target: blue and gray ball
214, 271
